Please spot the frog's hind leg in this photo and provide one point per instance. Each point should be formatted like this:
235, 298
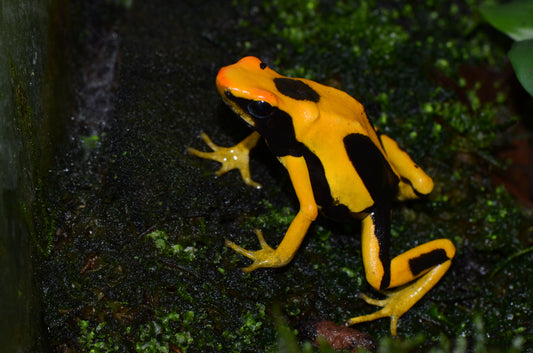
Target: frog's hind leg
416, 270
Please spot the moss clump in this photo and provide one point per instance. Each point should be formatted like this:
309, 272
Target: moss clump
141, 226
430, 77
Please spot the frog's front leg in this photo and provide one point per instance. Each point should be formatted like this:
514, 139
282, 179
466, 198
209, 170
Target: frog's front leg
283, 254
236, 157
417, 270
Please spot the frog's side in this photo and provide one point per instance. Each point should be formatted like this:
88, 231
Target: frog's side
337, 163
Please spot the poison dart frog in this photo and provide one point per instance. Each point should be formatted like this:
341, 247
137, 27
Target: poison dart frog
338, 163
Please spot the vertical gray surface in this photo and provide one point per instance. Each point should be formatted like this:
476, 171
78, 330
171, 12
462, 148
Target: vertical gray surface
23, 32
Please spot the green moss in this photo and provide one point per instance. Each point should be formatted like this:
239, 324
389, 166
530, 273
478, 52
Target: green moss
157, 219
91, 142
171, 329
272, 217
161, 242
95, 339
245, 335
410, 68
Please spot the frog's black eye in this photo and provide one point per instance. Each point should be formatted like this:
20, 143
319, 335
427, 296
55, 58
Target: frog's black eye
259, 109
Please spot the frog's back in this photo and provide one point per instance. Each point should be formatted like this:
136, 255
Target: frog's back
354, 163
339, 108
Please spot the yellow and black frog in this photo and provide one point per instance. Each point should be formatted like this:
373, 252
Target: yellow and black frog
338, 163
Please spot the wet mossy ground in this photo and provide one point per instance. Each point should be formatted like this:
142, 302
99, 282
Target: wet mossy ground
138, 261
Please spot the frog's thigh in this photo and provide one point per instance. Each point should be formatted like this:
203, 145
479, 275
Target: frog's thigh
383, 273
408, 170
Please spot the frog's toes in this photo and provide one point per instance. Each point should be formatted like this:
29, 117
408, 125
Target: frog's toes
372, 301
209, 142
248, 253
260, 258
264, 257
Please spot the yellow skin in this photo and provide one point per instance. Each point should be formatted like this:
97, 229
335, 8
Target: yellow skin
338, 163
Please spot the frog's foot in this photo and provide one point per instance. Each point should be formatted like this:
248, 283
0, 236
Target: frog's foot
398, 302
392, 307
236, 157
265, 257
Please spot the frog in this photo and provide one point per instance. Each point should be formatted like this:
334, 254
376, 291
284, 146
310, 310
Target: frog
339, 164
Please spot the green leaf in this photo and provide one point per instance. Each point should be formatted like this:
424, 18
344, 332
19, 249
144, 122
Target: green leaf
521, 55
514, 19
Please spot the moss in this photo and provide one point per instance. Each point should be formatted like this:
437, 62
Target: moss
91, 142
161, 334
147, 223
160, 238
270, 216
367, 49
94, 339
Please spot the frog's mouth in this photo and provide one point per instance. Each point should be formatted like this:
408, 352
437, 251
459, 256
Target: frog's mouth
239, 106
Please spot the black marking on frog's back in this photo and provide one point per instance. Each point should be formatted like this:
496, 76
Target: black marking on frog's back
322, 191
373, 168
426, 261
296, 89
317, 175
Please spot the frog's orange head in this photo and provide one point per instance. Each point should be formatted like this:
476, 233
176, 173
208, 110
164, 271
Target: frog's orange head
246, 87
276, 106
255, 92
